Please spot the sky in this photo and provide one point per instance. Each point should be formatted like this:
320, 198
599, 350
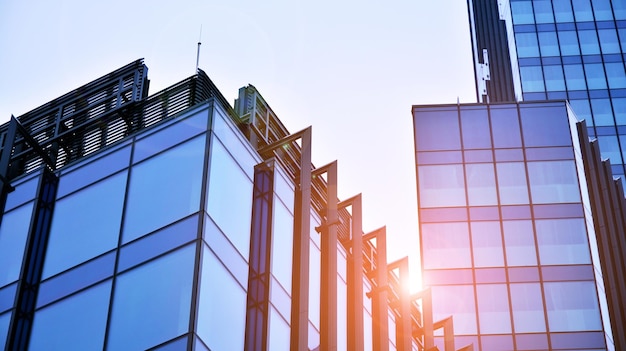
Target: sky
351, 69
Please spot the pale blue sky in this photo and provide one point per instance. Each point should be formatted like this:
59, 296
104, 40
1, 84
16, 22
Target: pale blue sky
351, 69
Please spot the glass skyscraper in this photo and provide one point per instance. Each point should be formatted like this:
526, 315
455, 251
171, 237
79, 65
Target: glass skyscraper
557, 49
520, 242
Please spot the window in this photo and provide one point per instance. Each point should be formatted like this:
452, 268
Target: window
609, 148
574, 77
549, 44
282, 244
532, 79
441, 186
608, 41
582, 110
582, 10
562, 241
437, 130
619, 105
526, 301
279, 332
481, 184
602, 113
527, 44
493, 309
487, 244
595, 76
569, 43
602, 10
505, 124
572, 306
446, 245
554, 78
543, 11
519, 241
553, 182
588, 42
512, 183
545, 126
616, 75
13, 234
475, 127
522, 12
563, 11
456, 301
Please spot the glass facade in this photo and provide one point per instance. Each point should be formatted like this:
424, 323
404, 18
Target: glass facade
504, 239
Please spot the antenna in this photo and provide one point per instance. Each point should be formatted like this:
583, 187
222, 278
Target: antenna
198, 53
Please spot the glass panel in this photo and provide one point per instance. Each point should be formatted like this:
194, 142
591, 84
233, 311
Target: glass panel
616, 75
619, 106
609, 148
569, 43
5, 320
441, 186
622, 36
543, 11
549, 44
588, 42
446, 245
527, 45
562, 241
512, 183
222, 306
152, 302
229, 189
545, 126
456, 301
481, 184
314, 285
522, 12
7, 297
233, 141
78, 238
476, 131
554, 78
595, 76
619, 8
563, 10
608, 41
282, 244
602, 113
437, 130
532, 79
520, 243
582, 110
487, 244
575, 77
159, 194
278, 332
23, 192
13, 234
527, 304
582, 10
602, 10
572, 306
75, 323
553, 181
505, 124
493, 309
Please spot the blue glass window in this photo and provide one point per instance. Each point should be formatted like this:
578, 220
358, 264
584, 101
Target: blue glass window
562, 241
159, 193
616, 75
222, 306
487, 244
151, 303
554, 78
619, 8
441, 186
75, 323
475, 127
569, 43
23, 192
602, 113
609, 148
582, 10
588, 42
545, 126
563, 11
543, 11
553, 182
75, 239
512, 183
574, 77
5, 320
582, 110
602, 10
13, 234
493, 309
527, 304
446, 245
229, 188
532, 79
519, 241
437, 130
505, 124
527, 45
608, 41
619, 105
595, 76
622, 37
481, 184
522, 12
456, 301
572, 306
549, 44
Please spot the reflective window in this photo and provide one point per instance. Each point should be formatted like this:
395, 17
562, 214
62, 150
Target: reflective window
532, 79
527, 45
456, 301
446, 245
437, 130
615, 73
75, 323
609, 148
481, 184
595, 76
549, 44
77, 238
23, 192
5, 320
282, 244
582, 110
159, 193
476, 131
553, 181
13, 234
572, 306
582, 10
314, 284
527, 304
619, 8
554, 78
588, 42
234, 142
493, 309
563, 10
602, 10
543, 11
278, 332
230, 188
222, 306
505, 124
441, 185
602, 113
545, 126
575, 77
520, 243
622, 37
512, 183
619, 105
562, 241
487, 244
608, 41
522, 12
151, 303
569, 43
